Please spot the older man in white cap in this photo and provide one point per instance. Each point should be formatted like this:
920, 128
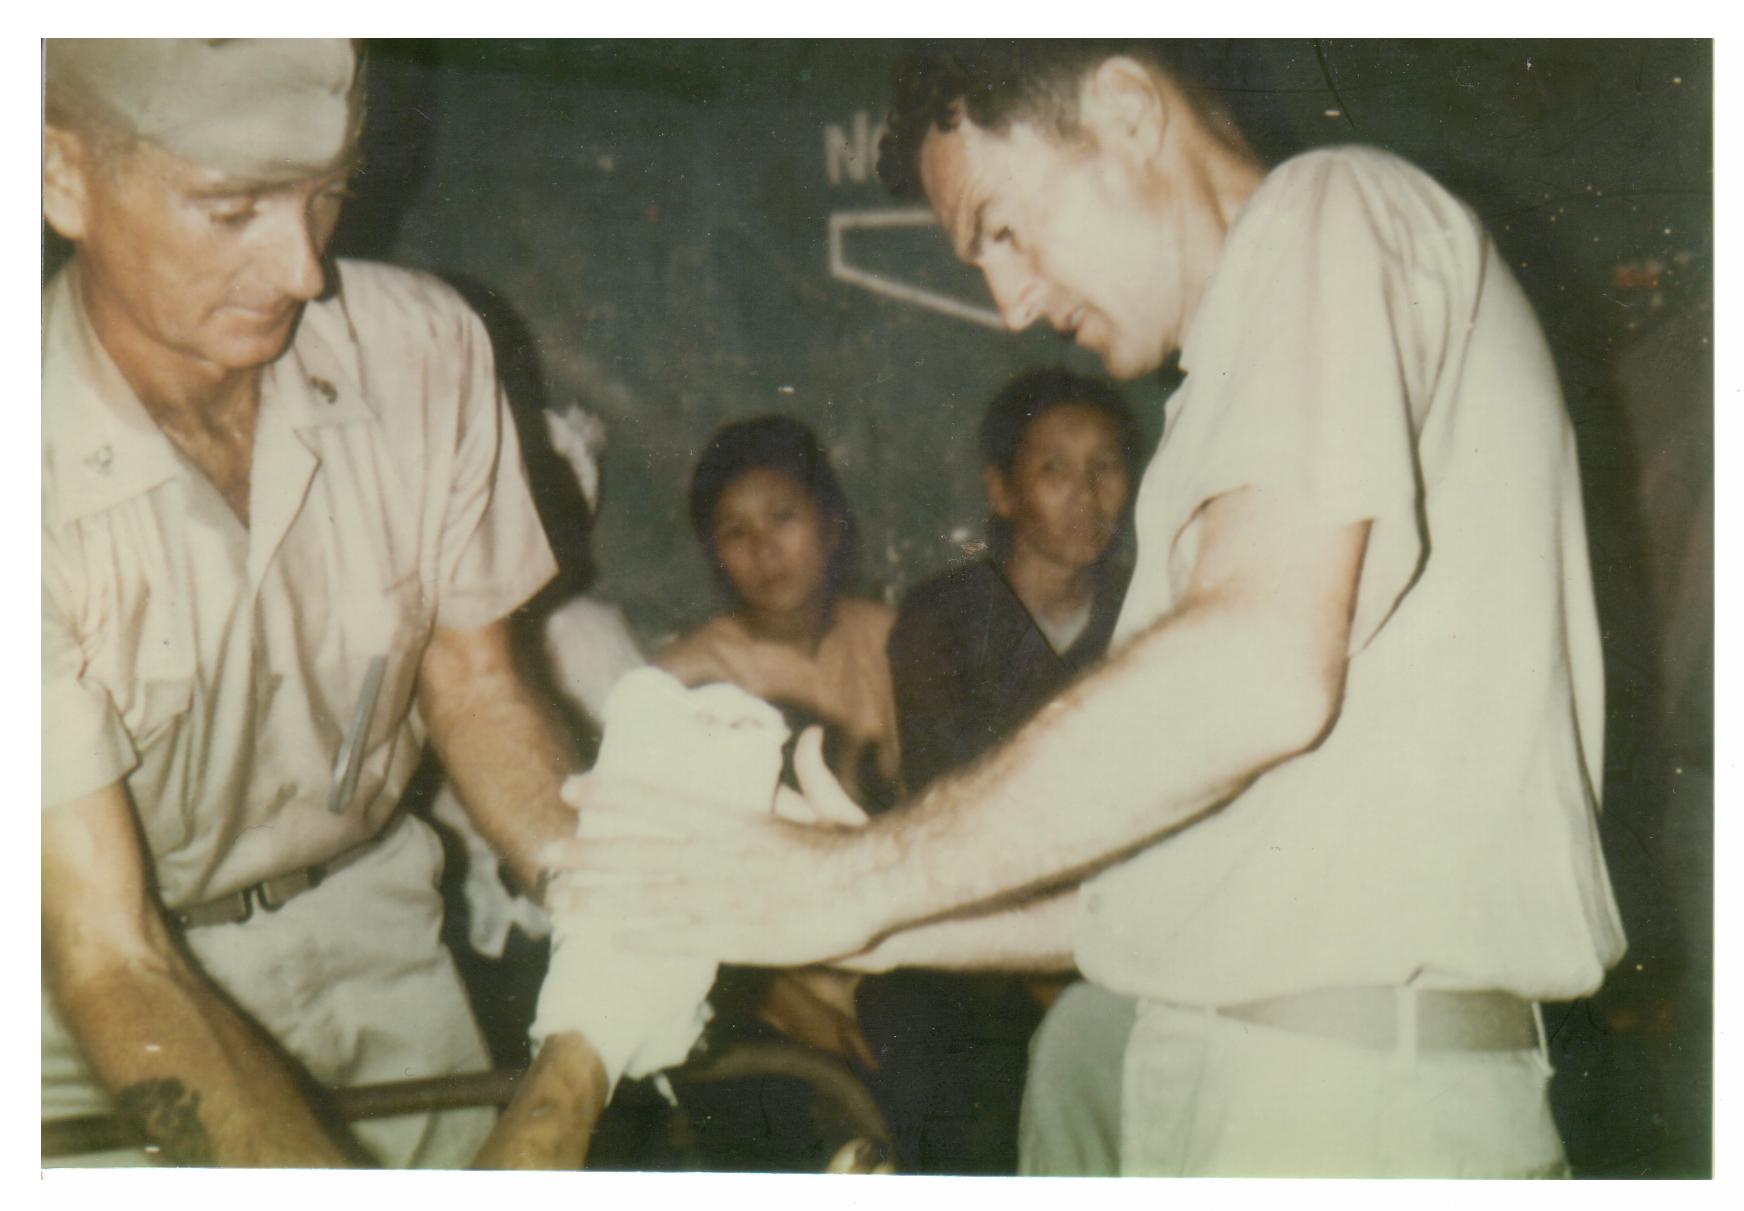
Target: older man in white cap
282, 502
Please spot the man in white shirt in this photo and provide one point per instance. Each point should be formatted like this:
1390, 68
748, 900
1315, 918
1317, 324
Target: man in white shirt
1328, 808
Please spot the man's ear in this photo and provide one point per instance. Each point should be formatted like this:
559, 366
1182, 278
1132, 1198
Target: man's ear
1000, 497
66, 168
1124, 104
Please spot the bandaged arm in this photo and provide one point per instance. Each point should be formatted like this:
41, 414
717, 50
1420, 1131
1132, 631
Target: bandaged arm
643, 1015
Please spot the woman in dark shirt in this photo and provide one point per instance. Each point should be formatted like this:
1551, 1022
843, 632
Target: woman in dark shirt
974, 654
977, 650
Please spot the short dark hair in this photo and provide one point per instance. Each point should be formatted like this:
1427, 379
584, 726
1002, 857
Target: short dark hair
1034, 393
1029, 397
994, 83
776, 443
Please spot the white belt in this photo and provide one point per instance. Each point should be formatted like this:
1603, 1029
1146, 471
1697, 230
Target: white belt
1384, 1017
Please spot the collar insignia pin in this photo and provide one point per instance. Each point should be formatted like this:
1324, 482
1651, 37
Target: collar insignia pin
328, 391
99, 460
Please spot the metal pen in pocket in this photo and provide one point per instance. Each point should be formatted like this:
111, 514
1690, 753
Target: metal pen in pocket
348, 764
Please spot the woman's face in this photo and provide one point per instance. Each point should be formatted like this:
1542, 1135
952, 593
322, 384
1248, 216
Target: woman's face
772, 541
1067, 487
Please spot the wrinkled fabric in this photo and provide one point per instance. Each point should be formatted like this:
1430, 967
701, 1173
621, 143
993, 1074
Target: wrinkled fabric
1070, 1125
1362, 354
718, 743
845, 682
1209, 1096
262, 110
214, 669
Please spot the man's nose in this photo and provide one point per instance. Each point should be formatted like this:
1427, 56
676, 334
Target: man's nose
1016, 292
296, 263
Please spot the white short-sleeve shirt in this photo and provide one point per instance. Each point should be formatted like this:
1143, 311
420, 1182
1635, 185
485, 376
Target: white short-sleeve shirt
215, 667
1363, 352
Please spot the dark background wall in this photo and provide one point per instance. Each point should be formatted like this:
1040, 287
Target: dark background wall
645, 227
644, 224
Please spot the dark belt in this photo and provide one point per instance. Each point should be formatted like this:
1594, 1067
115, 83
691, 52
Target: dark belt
1380, 1017
269, 895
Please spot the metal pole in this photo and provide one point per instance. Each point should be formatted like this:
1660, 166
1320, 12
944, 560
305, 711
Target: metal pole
829, 1075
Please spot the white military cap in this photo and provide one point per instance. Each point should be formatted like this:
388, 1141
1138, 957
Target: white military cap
258, 109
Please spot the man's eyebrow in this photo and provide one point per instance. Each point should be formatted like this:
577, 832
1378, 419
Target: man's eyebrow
244, 187
224, 187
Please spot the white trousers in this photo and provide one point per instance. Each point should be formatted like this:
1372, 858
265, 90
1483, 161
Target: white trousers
1070, 1125
1210, 1096
352, 979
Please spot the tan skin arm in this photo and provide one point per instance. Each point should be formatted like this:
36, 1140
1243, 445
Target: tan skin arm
1245, 672
188, 1070
550, 1122
506, 759
499, 746
197, 1078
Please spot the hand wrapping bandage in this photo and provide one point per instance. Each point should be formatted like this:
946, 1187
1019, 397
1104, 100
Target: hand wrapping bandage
717, 743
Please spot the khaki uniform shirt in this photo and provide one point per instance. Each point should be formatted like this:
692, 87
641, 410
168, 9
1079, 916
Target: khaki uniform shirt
215, 668
1363, 353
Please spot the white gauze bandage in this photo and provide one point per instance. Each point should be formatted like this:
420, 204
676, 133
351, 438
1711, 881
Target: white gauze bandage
717, 743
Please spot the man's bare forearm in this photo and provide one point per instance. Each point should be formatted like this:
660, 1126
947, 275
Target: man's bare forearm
1175, 723
1246, 671
503, 752
192, 1077
1034, 935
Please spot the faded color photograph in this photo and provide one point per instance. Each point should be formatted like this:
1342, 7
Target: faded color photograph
994, 608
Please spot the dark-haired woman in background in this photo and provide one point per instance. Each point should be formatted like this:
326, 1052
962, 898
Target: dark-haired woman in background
974, 654
767, 507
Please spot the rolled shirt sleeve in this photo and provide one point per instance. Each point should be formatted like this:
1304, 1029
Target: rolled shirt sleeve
493, 554
84, 745
1313, 367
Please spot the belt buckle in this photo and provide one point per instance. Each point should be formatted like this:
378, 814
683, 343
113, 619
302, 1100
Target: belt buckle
265, 893
217, 912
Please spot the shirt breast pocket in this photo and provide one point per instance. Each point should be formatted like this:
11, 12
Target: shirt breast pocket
164, 701
163, 678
